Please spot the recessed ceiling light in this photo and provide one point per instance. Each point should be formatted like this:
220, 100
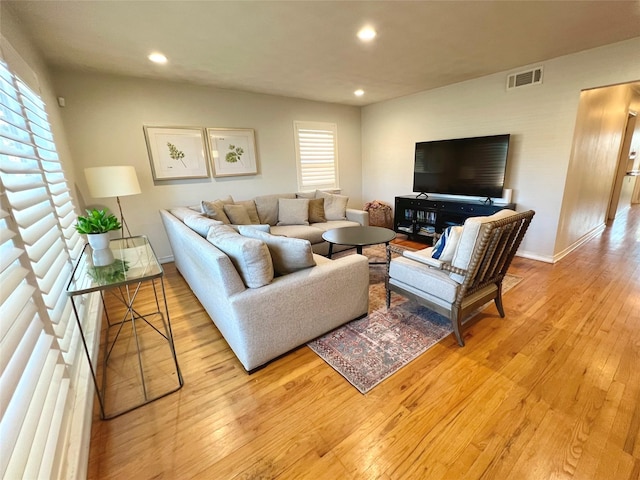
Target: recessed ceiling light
359, 92
157, 58
367, 34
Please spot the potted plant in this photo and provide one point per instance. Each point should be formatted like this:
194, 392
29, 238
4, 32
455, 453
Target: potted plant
96, 226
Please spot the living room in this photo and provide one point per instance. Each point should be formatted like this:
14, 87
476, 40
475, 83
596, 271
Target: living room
103, 116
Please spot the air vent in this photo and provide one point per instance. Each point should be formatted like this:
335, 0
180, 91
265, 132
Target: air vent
523, 79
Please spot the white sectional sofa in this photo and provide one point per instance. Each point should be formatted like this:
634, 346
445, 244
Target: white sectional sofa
272, 316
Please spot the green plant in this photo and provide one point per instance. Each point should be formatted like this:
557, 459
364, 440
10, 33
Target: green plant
97, 221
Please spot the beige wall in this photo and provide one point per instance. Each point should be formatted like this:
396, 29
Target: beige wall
540, 119
104, 116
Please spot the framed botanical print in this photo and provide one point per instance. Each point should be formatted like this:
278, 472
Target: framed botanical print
232, 151
177, 152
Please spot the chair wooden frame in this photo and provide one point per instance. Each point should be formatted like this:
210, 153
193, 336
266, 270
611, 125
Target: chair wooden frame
488, 266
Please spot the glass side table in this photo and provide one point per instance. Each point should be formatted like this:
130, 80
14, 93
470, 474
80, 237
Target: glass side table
139, 362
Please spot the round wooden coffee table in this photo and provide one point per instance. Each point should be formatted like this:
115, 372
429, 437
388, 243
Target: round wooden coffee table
358, 237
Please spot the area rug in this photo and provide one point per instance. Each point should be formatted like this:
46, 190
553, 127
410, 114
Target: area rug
369, 350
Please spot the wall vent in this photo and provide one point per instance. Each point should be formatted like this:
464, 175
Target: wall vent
525, 78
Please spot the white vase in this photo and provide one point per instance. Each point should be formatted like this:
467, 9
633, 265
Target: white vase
102, 257
98, 241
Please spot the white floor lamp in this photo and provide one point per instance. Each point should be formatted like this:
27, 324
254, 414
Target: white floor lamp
113, 181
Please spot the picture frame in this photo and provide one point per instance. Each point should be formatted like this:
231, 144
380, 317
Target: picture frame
177, 152
232, 151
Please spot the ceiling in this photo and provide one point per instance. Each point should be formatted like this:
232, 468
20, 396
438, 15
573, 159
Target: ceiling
310, 49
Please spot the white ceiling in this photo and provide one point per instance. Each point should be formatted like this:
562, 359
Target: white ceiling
310, 50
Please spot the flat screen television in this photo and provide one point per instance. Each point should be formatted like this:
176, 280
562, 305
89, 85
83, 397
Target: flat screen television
462, 166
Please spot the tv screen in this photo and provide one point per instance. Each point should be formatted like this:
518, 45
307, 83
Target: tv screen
462, 166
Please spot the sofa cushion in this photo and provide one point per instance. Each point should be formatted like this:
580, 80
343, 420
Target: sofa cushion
214, 209
308, 195
316, 211
335, 206
263, 227
237, 214
314, 235
200, 224
267, 207
288, 254
329, 225
183, 212
250, 206
250, 256
293, 211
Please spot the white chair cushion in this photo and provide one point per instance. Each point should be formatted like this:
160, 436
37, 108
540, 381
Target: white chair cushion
434, 282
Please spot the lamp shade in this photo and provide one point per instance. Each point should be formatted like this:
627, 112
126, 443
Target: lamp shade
114, 181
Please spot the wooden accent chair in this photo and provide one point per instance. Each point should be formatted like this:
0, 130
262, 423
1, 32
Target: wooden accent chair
454, 286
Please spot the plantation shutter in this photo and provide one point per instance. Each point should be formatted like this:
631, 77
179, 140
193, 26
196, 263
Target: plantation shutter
317, 155
39, 338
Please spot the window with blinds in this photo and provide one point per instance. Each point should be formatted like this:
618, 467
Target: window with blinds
316, 155
40, 348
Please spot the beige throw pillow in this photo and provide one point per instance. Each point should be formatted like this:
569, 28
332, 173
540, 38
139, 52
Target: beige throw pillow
288, 254
250, 256
316, 211
293, 211
335, 206
214, 209
250, 206
237, 214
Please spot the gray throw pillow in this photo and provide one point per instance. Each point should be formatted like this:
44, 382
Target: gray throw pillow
293, 211
250, 256
288, 254
335, 206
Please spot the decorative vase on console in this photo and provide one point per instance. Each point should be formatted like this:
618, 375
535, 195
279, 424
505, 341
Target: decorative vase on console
96, 226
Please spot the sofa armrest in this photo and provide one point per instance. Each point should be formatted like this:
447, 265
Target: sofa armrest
359, 216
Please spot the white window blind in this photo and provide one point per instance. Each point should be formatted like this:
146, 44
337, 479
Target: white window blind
317, 155
39, 337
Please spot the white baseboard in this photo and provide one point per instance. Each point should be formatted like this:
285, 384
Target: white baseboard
167, 259
582, 240
535, 256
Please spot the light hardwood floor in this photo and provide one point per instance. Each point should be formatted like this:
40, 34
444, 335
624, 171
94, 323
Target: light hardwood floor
551, 391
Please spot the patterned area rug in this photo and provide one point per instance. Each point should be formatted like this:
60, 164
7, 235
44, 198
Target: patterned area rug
369, 350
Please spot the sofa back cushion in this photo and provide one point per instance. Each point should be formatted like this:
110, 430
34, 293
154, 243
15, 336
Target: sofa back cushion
250, 256
267, 206
200, 224
288, 254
